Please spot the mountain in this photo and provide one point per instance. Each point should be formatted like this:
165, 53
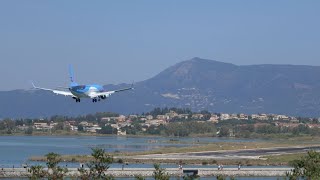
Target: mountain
197, 84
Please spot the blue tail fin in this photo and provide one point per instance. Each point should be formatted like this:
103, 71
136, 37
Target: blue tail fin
71, 74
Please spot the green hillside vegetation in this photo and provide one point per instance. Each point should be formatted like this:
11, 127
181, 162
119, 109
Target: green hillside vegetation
183, 123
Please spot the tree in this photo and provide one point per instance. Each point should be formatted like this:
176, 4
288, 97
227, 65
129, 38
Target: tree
206, 115
107, 130
267, 129
307, 167
55, 171
8, 125
133, 129
2, 125
28, 122
139, 177
36, 172
29, 131
58, 118
186, 128
155, 130
19, 122
58, 126
98, 166
80, 128
221, 177
224, 132
159, 173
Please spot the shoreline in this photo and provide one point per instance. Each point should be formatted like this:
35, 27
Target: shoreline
114, 135
285, 137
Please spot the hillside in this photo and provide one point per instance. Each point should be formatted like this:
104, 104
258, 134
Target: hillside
198, 84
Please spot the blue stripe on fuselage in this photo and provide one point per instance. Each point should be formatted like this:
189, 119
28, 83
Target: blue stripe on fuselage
82, 90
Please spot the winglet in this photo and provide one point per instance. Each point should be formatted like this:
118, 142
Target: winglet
33, 85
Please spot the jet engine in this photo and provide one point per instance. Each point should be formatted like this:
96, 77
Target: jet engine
103, 97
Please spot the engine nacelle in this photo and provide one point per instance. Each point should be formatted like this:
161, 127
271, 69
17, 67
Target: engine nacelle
103, 97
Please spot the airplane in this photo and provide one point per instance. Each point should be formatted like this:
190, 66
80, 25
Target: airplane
76, 91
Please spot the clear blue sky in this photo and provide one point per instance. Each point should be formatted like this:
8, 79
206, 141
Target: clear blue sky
121, 41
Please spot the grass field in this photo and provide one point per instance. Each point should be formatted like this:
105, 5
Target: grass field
283, 159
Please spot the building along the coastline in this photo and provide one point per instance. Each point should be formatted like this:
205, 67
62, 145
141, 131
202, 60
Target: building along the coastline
197, 116
260, 116
154, 122
224, 117
162, 117
41, 126
243, 116
93, 129
149, 117
214, 118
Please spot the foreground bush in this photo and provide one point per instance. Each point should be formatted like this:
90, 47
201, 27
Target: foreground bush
98, 166
54, 171
308, 167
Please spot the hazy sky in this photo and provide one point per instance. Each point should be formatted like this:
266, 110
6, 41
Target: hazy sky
121, 41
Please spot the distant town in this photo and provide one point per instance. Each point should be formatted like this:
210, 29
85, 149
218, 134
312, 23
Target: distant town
165, 121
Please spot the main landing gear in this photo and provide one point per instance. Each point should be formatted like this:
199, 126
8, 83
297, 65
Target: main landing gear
77, 99
96, 100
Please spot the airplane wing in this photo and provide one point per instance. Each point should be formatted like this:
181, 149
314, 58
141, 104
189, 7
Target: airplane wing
108, 93
59, 92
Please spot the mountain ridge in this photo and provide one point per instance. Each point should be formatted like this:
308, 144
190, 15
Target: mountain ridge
197, 84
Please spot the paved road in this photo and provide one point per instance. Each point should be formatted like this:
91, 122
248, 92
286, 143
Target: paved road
231, 154
148, 172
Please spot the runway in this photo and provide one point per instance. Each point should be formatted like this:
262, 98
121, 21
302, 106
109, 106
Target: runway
231, 154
